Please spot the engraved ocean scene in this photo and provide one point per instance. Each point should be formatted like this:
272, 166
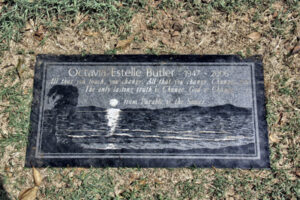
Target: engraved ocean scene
186, 128
72, 128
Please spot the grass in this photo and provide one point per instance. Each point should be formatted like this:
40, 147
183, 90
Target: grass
214, 22
17, 111
53, 15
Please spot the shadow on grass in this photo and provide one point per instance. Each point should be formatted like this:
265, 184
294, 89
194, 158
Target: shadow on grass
3, 193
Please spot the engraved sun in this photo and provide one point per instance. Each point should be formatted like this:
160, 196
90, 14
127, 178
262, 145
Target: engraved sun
113, 102
112, 115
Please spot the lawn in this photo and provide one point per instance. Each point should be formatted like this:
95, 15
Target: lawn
270, 28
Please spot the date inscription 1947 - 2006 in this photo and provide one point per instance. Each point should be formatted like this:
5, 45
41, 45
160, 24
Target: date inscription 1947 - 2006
148, 111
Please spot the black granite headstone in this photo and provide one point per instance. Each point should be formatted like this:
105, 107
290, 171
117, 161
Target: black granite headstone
148, 111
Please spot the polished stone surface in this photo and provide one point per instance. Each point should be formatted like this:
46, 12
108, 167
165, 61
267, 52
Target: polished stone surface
148, 111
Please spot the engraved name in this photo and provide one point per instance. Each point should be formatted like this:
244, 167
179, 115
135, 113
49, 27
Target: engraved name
114, 72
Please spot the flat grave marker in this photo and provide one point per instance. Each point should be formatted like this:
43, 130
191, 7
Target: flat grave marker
148, 111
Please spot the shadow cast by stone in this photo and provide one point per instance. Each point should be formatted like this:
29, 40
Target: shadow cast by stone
3, 193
